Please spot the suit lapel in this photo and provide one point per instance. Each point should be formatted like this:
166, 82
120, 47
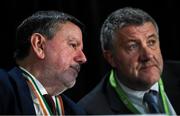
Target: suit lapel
22, 92
70, 107
171, 80
115, 102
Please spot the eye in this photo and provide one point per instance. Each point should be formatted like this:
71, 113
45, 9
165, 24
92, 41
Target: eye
151, 42
132, 46
73, 45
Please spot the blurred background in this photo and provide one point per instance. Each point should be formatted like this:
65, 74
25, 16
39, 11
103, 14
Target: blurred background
92, 13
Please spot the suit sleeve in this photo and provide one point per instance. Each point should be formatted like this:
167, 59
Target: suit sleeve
7, 98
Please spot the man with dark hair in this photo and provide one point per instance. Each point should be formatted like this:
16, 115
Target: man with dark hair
48, 56
137, 82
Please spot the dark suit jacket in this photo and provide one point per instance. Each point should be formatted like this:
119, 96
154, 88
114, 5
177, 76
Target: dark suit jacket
103, 99
15, 97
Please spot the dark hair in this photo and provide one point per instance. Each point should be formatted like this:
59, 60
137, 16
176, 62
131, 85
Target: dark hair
43, 22
119, 19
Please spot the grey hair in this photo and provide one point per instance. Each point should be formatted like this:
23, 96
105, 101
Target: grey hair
119, 19
46, 23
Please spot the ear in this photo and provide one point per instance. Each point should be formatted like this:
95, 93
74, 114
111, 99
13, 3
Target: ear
108, 55
38, 44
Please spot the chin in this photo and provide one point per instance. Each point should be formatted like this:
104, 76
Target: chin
71, 84
59, 92
150, 82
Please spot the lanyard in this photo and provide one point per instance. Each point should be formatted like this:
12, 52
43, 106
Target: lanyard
45, 107
122, 95
162, 93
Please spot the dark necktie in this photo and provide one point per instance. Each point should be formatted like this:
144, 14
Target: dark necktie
50, 102
153, 101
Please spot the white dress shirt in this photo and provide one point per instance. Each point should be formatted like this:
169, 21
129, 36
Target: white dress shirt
43, 91
136, 98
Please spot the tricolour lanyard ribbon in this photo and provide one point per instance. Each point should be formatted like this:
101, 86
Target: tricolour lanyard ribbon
43, 104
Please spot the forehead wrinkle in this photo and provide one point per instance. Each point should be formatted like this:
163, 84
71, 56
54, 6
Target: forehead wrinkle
132, 31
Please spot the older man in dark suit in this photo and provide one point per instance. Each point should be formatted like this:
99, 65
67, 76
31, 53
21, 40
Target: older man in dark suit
49, 54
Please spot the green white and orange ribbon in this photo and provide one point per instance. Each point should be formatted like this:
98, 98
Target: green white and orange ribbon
43, 104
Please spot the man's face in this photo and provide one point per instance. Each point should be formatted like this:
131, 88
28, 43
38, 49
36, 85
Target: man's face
63, 57
137, 56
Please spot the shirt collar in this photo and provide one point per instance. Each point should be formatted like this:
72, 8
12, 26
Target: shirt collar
136, 96
40, 86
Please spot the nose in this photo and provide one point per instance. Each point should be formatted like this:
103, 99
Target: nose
146, 54
80, 58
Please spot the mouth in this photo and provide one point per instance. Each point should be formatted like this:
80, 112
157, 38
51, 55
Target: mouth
76, 68
148, 68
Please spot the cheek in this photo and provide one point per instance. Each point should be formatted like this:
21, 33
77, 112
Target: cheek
160, 60
130, 60
125, 64
130, 65
159, 54
58, 60
63, 61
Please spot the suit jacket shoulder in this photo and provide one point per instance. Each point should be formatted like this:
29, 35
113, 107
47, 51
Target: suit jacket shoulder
6, 94
103, 100
16, 98
14, 93
171, 80
71, 108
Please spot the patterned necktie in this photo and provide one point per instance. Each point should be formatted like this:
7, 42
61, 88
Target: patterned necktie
153, 102
50, 102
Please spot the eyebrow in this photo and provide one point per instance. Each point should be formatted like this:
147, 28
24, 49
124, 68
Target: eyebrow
70, 39
153, 35
130, 40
